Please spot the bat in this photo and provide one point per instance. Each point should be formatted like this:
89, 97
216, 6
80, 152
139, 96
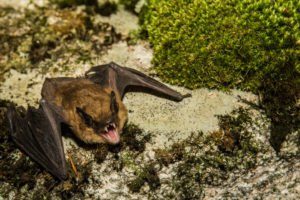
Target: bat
90, 105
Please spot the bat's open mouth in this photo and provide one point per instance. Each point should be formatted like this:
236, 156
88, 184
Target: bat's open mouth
111, 134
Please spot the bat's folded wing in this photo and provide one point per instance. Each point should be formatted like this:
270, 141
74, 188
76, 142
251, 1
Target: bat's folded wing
38, 134
119, 78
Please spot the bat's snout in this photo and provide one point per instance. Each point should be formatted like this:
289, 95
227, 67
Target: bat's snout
111, 134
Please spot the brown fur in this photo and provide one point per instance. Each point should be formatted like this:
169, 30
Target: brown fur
90, 97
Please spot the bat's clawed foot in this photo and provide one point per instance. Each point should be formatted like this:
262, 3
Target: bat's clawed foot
74, 169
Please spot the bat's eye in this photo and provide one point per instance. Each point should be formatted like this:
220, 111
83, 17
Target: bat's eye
87, 118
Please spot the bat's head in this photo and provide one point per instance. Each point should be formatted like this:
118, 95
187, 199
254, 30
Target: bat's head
99, 116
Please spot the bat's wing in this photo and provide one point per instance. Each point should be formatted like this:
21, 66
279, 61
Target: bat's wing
38, 134
119, 78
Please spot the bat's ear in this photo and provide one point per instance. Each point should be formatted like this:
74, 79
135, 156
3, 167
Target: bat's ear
114, 107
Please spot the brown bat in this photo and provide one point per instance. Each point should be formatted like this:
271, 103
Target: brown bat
91, 106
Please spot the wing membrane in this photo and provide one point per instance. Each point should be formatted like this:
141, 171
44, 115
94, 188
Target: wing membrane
38, 134
119, 78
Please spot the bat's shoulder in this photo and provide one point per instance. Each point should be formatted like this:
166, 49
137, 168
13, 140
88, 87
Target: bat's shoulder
54, 87
61, 82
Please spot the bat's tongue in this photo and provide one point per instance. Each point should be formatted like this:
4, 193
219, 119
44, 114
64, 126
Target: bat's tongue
112, 136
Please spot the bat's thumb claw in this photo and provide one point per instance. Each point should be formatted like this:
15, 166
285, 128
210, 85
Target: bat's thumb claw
186, 95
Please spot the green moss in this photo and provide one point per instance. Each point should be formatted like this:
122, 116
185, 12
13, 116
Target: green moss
134, 138
167, 157
101, 153
219, 44
148, 174
133, 141
133, 37
136, 184
133, 144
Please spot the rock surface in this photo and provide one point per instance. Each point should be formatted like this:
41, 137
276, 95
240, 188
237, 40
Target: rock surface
136, 171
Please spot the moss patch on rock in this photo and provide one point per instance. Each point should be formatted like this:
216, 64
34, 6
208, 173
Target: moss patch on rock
133, 138
147, 174
250, 45
220, 44
207, 160
31, 38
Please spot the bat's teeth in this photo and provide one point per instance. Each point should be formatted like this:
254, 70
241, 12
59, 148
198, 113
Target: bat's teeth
113, 125
106, 129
